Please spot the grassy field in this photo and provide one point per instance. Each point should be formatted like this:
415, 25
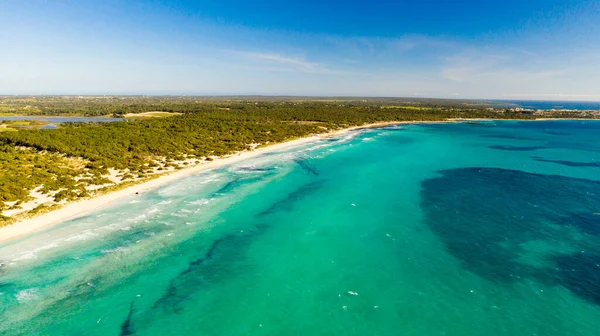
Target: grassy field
418, 108
5, 128
153, 114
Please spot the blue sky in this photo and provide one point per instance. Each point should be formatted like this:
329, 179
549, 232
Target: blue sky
527, 49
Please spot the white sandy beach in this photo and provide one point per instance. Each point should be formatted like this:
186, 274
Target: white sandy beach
80, 208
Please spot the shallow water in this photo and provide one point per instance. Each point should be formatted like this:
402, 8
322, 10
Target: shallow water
449, 229
60, 120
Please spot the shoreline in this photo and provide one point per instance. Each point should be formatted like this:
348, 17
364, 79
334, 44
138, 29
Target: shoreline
80, 208
73, 210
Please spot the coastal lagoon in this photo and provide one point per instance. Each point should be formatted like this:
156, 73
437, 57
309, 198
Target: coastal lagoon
53, 122
490, 228
60, 120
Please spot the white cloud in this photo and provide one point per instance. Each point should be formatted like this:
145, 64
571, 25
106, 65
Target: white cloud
285, 63
389, 46
518, 73
285, 60
420, 42
280, 62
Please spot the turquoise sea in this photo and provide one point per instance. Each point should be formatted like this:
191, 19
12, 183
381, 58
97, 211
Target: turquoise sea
432, 229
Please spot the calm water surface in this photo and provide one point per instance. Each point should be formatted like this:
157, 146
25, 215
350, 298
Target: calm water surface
60, 120
447, 229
